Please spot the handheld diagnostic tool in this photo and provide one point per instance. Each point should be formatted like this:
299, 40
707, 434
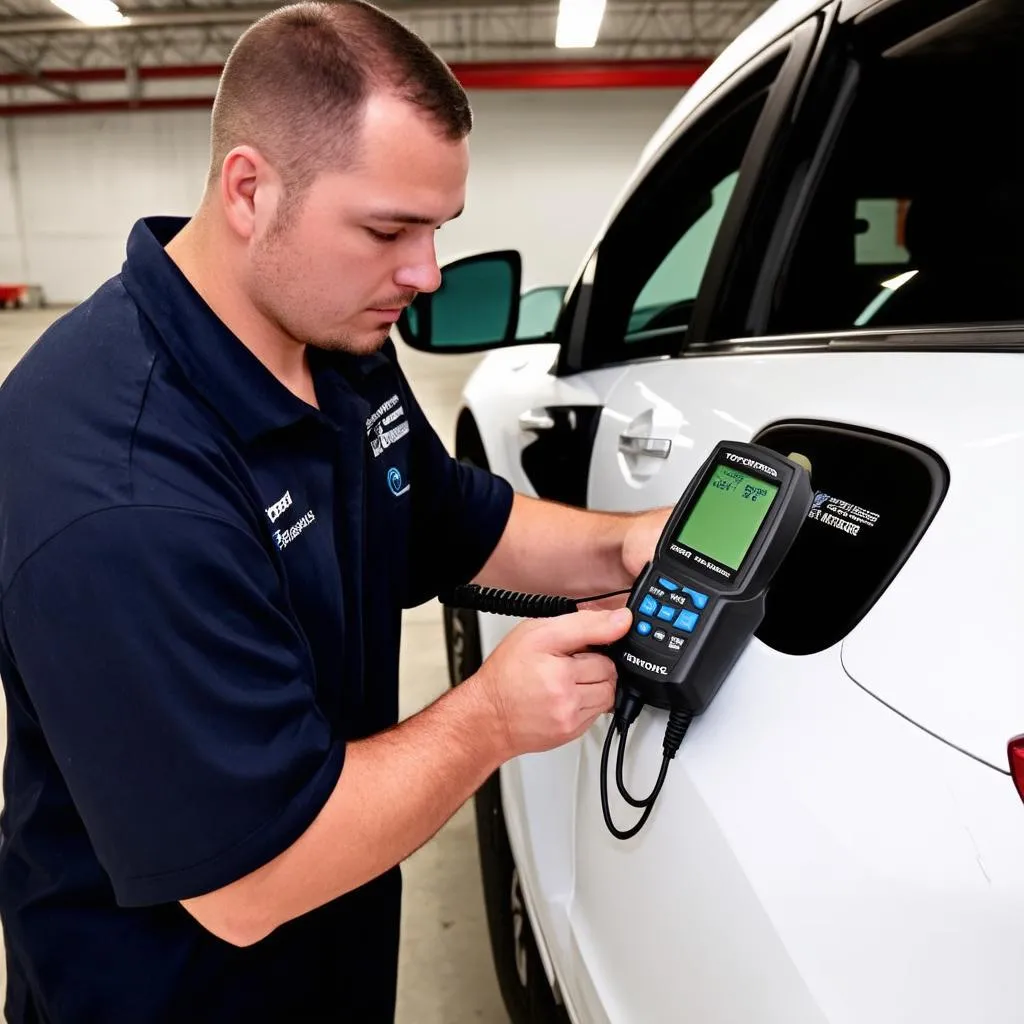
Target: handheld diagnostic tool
699, 601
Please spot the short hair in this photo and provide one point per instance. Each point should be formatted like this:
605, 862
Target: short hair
296, 83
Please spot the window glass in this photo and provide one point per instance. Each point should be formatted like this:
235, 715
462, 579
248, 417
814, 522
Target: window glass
677, 279
650, 266
919, 216
538, 311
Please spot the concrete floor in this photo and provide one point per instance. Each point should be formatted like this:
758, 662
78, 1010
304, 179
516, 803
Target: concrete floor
446, 975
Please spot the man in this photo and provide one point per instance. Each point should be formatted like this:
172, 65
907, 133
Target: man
203, 566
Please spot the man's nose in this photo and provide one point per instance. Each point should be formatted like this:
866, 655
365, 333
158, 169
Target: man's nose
422, 277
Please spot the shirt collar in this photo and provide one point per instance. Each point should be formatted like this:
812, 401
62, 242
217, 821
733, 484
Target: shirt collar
216, 363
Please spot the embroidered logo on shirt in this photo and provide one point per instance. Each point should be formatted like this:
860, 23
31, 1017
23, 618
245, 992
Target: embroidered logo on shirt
395, 483
386, 426
282, 538
280, 507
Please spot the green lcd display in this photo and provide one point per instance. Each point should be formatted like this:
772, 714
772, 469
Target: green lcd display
727, 516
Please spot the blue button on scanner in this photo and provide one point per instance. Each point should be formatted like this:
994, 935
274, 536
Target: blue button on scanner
643, 627
699, 600
648, 606
667, 584
666, 613
686, 621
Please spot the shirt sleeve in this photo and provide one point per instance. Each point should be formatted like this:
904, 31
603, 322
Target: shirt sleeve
177, 696
460, 513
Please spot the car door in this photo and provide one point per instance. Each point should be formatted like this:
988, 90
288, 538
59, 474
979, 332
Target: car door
755, 880
665, 240
658, 422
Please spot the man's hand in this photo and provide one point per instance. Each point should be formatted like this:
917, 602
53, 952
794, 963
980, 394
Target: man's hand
541, 687
544, 684
642, 538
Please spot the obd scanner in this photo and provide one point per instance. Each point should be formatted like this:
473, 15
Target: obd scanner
697, 603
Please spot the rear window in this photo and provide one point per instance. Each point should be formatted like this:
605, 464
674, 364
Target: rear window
919, 217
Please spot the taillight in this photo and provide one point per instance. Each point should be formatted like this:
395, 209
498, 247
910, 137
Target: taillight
1015, 750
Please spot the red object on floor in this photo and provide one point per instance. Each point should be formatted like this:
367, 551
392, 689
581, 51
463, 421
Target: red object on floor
11, 294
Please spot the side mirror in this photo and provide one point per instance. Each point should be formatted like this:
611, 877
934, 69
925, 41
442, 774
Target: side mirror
475, 309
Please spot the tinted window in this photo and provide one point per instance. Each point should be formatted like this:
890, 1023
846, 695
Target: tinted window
919, 217
538, 311
677, 280
650, 266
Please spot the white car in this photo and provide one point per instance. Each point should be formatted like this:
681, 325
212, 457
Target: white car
821, 252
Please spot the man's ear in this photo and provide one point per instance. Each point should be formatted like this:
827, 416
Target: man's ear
249, 191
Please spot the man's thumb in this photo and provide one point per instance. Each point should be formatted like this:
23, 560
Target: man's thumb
593, 628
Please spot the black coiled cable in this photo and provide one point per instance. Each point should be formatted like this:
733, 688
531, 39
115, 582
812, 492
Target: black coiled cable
628, 704
526, 606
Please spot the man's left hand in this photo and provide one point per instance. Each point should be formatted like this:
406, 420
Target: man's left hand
642, 538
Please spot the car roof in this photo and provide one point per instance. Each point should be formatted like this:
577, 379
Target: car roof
782, 17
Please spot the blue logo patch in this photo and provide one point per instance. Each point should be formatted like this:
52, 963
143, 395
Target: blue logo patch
395, 483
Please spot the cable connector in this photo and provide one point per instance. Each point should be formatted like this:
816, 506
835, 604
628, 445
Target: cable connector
678, 722
627, 709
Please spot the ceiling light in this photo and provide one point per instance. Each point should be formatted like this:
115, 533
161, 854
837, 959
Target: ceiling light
579, 22
92, 12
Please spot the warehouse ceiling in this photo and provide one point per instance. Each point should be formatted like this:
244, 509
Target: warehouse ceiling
168, 52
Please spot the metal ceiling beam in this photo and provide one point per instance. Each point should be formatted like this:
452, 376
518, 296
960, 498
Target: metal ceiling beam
148, 17
461, 31
515, 74
31, 75
710, 11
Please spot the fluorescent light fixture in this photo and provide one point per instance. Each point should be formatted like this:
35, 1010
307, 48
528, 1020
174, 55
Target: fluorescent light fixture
92, 12
579, 23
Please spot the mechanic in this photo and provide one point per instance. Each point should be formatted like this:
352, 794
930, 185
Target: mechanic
217, 493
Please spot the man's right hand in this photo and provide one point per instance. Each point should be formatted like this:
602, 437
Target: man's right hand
539, 689
547, 688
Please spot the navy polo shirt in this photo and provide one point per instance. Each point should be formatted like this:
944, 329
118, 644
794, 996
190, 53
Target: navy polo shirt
201, 584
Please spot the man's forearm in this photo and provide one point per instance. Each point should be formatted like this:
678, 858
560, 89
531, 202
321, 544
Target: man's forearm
556, 549
396, 790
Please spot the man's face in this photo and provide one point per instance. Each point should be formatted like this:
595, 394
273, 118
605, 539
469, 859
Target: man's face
337, 271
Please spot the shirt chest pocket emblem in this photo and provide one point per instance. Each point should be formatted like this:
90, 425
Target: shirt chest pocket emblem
386, 426
396, 482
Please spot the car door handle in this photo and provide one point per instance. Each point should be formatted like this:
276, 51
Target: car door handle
651, 447
536, 419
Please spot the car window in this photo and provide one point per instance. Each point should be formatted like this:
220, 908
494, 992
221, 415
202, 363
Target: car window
677, 279
648, 270
538, 311
918, 216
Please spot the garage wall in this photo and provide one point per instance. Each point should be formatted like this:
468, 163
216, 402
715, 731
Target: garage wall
12, 250
546, 166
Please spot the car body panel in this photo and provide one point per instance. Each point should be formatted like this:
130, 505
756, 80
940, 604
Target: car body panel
793, 871
839, 839
773, 814
952, 664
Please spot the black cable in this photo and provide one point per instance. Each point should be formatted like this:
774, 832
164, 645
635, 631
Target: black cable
678, 722
620, 783
627, 704
629, 833
527, 606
